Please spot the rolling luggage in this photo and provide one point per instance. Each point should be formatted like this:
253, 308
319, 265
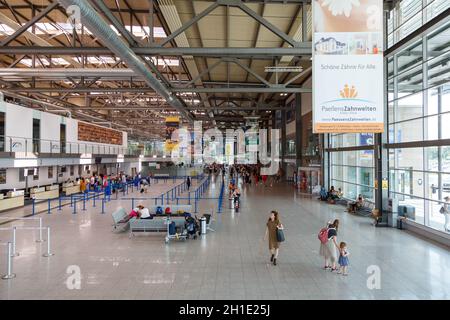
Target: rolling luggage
172, 228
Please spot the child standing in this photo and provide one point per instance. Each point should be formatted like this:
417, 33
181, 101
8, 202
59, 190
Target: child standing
343, 259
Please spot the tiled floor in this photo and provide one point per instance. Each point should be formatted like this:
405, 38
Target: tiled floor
231, 263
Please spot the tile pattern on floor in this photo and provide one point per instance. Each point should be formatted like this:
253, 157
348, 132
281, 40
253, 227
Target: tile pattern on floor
231, 263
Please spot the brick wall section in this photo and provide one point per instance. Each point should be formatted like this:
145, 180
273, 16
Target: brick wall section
91, 133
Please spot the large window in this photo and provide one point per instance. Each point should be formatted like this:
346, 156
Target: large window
419, 131
409, 15
352, 166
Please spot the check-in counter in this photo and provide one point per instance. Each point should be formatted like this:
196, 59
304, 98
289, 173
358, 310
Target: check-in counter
14, 199
44, 193
70, 188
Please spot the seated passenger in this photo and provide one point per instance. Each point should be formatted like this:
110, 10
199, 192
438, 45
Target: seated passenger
331, 193
144, 213
323, 194
355, 205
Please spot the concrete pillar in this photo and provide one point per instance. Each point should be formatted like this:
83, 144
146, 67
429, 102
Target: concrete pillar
283, 141
298, 131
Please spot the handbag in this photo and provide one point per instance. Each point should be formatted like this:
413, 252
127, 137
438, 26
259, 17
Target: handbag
280, 235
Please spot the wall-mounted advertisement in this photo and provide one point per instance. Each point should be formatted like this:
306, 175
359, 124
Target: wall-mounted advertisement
347, 66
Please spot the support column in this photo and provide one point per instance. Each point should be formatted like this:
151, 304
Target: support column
298, 131
283, 141
380, 153
325, 163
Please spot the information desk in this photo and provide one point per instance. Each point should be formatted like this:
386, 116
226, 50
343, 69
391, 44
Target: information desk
71, 189
49, 192
12, 202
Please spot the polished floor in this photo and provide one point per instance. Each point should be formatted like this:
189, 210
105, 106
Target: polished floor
231, 263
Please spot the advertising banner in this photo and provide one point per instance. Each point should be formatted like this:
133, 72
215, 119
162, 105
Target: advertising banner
347, 66
172, 124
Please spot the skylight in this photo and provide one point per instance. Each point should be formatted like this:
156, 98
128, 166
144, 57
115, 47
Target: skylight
42, 28
164, 62
45, 62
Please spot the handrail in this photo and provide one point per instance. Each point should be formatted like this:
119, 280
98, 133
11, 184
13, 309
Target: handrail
24, 144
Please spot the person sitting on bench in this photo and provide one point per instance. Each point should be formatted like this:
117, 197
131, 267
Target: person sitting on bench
332, 194
355, 205
323, 194
144, 213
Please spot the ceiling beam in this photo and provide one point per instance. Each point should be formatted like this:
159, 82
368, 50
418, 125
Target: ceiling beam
303, 50
274, 89
31, 22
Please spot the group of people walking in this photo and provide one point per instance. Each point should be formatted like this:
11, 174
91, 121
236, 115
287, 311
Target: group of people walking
334, 253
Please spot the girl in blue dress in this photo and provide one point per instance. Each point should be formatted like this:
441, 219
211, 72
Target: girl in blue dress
343, 259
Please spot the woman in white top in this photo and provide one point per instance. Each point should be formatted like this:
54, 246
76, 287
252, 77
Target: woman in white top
143, 213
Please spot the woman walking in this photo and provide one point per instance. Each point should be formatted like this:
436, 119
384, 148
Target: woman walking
188, 183
330, 249
273, 224
445, 210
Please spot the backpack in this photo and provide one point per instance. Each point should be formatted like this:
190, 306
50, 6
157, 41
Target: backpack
159, 210
167, 211
323, 235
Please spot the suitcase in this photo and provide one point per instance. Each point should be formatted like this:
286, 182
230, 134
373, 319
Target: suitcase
172, 228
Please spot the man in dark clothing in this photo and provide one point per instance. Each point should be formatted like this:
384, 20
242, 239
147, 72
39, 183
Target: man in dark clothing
188, 183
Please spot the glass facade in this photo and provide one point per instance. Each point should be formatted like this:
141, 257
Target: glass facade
418, 118
352, 167
419, 131
409, 15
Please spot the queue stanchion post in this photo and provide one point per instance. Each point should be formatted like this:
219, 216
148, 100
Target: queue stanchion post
93, 200
132, 203
71, 200
103, 206
59, 204
9, 265
84, 203
49, 207
189, 197
74, 206
33, 206
48, 253
162, 199
14, 253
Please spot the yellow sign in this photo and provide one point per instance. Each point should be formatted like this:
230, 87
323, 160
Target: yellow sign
172, 124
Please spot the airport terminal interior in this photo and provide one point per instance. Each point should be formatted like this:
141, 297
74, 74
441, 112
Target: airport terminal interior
197, 150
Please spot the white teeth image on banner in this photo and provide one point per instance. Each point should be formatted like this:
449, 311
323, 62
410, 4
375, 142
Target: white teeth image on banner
339, 7
347, 15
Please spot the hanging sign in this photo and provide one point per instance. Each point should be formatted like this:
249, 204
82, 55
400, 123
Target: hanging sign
347, 66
